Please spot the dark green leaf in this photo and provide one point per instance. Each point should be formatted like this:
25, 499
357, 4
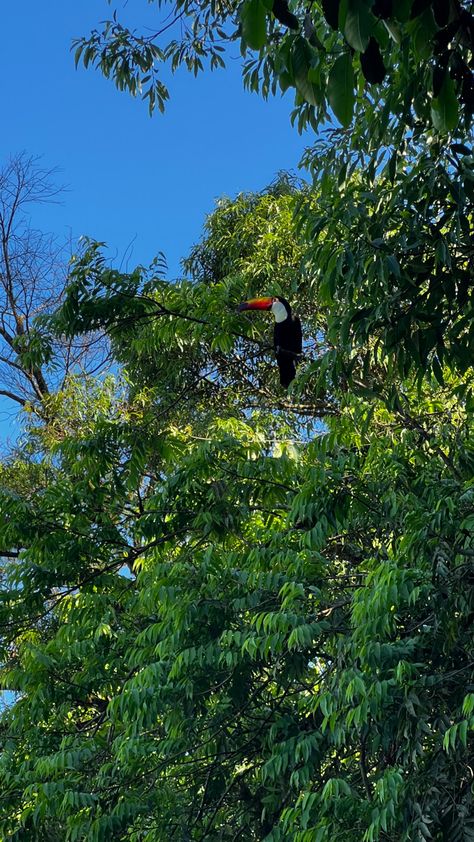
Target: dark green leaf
341, 89
359, 25
254, 23
444, 108
372, 64
301, 57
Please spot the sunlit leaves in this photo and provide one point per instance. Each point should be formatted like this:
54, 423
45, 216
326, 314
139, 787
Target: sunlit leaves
388, 41
406, 289
129, 60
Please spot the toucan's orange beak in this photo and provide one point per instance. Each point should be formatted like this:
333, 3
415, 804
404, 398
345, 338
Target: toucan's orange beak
256, 304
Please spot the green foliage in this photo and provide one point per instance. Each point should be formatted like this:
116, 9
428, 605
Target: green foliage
253, 17
406, 46
387, 232
341, 89
392, 248
444, 107
228, 619
229, 611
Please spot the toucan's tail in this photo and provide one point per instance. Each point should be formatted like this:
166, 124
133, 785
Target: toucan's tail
286, 365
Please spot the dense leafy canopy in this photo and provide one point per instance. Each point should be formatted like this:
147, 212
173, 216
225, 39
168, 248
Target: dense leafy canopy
227, 620
391, 243
231, 611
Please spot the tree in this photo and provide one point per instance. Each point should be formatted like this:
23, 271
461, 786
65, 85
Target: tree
396, 181
289, 654
231, 611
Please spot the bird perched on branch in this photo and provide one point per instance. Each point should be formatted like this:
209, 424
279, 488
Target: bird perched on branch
287, 340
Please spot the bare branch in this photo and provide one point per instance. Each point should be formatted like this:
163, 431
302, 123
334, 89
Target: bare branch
33, 276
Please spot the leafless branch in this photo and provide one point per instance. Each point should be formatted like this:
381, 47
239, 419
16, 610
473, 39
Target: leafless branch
33, 275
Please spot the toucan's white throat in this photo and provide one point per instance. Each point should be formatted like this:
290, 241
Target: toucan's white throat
279, 311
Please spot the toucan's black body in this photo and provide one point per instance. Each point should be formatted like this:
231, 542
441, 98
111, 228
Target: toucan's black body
287, 339
287, 342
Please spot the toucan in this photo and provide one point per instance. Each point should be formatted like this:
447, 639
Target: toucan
287, 339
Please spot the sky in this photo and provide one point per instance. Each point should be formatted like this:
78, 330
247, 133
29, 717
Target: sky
142, 185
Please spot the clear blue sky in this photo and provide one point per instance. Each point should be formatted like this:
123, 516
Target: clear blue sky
129, 177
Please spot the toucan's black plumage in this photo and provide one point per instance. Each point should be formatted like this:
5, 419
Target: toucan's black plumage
287, 341
287, 338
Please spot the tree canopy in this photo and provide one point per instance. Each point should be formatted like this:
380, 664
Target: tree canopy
395, 184
229, 619
228, 610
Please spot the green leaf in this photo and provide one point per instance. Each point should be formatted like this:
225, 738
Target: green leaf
424, 27
393, 265
468, 704
463, 726
254, 24
342, 13
468, 523
359, 25
302, 55
444, 108
285, 80
341, 89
